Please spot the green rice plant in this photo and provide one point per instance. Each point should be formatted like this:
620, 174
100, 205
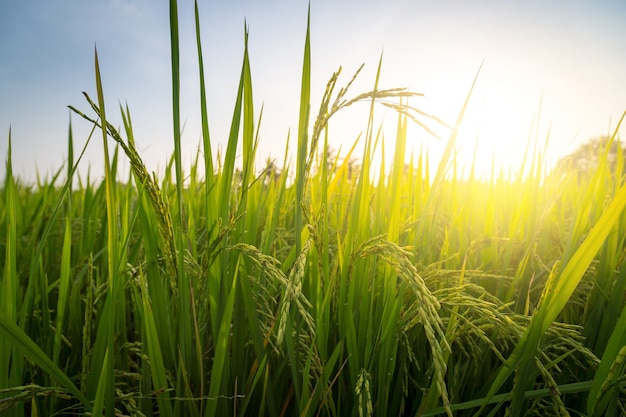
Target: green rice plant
16, 341
560, 287
224, 288
10, 369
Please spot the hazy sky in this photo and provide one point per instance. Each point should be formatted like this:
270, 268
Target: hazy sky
569, 57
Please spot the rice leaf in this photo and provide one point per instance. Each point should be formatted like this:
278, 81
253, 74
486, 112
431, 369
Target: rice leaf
29, 348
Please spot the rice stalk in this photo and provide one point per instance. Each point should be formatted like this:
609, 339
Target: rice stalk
427, 305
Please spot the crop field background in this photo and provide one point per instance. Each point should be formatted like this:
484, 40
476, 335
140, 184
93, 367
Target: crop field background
325, 286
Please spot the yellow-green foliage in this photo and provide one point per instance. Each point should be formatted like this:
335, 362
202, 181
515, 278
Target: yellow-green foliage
342, 291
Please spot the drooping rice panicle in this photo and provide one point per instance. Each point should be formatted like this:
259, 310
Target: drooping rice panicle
326, 285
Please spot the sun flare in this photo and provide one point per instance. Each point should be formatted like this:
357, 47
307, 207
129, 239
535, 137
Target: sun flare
497, 127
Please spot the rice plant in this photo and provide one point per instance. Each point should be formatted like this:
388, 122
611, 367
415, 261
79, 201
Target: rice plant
314, 287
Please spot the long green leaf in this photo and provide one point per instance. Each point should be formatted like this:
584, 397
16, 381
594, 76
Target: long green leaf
596, 404
105, 352
524, 352
184, 321
157, 366
303, 127
220, 359
29, 348
9, 284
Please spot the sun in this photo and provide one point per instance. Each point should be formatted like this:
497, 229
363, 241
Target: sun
498, 126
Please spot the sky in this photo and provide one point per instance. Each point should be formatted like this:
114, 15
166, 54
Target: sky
552, 70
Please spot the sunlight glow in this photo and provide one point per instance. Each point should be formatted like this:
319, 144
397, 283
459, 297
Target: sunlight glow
497, 124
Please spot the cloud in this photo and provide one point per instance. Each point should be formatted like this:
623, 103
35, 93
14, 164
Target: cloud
125, 8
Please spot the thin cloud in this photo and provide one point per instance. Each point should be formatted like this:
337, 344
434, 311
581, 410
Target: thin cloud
125, 8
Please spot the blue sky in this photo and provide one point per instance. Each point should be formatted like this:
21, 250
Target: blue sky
567, 55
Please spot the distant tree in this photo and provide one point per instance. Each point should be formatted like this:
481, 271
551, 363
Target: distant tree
586, 159
271, 172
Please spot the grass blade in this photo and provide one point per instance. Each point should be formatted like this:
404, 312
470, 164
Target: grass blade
303, 127
523, 355
184, 322
26, 346
608, 372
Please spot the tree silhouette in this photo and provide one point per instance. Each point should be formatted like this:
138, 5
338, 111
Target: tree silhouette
585, 160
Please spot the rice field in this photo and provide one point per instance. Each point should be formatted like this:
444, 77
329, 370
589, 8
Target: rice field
314, 288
